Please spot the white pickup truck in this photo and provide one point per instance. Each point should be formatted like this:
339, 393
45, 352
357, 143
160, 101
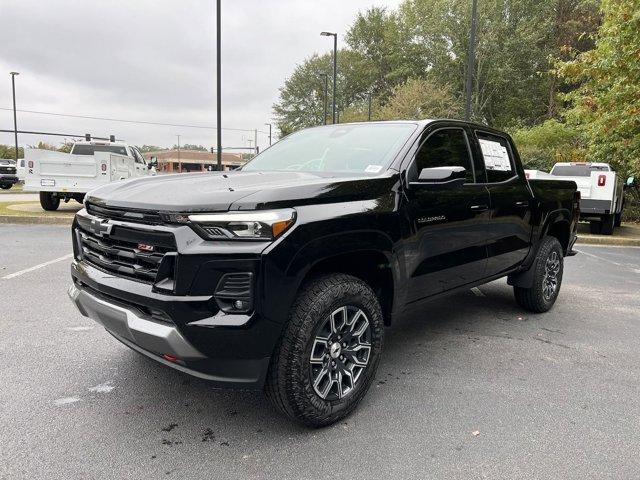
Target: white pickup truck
601, 192
90, 164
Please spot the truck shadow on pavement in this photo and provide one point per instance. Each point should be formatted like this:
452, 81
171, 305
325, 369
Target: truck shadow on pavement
206, 414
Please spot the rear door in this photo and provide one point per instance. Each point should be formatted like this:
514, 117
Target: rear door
447, 243
510, 220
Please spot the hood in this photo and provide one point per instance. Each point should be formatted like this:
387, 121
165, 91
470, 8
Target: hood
218, 191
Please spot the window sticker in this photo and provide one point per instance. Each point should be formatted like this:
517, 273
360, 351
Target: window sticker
496, 156
373, 168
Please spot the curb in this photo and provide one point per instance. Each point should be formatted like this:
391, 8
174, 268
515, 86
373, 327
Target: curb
33, 220
611, 241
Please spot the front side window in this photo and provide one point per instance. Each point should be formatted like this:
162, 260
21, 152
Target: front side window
350, 148
445, 148
496, 156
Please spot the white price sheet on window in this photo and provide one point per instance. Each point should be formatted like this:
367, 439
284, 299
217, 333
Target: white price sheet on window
496, 156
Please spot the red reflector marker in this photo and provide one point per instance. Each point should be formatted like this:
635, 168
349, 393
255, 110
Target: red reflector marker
30, 163
104, 167
602, 179
171, 358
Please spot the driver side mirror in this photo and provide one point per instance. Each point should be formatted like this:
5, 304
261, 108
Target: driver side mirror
152, 163
441, 177
631, 182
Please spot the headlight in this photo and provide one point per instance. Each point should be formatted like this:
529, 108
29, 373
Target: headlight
256, 225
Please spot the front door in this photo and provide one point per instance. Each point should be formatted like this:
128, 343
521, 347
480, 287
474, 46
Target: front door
447, 244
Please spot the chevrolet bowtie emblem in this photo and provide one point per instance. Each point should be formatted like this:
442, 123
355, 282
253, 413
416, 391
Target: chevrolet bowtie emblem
101, 227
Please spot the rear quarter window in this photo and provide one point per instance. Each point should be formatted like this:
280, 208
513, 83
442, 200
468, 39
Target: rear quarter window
497, 157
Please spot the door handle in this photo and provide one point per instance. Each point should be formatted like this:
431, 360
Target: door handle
522, 204
479, 208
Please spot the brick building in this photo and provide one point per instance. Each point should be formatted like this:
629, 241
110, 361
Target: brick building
170, 161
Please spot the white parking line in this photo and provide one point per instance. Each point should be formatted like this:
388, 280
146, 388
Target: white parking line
36, 267
617, 264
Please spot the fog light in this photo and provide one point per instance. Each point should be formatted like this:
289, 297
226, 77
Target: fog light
240, 305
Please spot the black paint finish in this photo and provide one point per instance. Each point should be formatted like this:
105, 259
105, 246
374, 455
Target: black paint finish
426, 240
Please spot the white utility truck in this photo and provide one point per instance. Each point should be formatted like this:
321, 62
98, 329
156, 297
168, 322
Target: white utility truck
601, 193
90, 164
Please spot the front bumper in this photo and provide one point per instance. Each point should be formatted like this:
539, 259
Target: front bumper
228, 356
8, 178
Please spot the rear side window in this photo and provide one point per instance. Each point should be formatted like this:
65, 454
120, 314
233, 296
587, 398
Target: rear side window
577, 170
496, 156
91, 149
445, 148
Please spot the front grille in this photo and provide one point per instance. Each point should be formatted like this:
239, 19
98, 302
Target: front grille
118, 252
136, 216
8, 170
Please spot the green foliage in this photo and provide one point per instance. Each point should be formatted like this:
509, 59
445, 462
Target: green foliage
150, 148
552, 141
606, 103
8, 152
514, 84
190, 146
421, 98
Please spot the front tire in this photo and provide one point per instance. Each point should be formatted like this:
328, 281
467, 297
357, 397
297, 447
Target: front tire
547, 278
6, 186
329, 351
595, 227
49, 202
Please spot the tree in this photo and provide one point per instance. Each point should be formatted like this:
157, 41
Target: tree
8, 152
421, 98
552, 141
150, 148
301, 102
190, 146
606, 105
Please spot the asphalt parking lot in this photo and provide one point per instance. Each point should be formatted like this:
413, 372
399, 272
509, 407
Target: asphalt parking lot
548, 396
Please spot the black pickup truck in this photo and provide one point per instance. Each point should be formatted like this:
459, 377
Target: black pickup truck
284, 274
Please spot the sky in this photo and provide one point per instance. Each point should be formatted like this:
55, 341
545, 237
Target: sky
154, 61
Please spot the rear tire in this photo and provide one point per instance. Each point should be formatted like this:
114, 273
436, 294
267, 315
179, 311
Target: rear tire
6, 186
49, 202
618, 220
595, 227
547, 278
608, 222
315, 378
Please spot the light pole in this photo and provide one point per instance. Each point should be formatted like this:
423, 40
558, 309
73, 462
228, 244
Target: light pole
179, 161
219, 83
369, 116
269, 125
335, 68
470, 61
15, 118
326, 93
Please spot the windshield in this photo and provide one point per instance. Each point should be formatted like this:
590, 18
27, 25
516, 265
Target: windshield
91, 149
359, 148
577, 170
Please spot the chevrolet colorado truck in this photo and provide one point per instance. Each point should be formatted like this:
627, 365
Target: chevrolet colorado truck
282, 275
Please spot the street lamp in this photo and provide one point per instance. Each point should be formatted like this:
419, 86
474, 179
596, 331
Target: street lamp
326, 81
369, 116
15, 118
335, 67
269, 125
219, 83
470, 61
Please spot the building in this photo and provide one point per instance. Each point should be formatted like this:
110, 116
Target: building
174, 161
